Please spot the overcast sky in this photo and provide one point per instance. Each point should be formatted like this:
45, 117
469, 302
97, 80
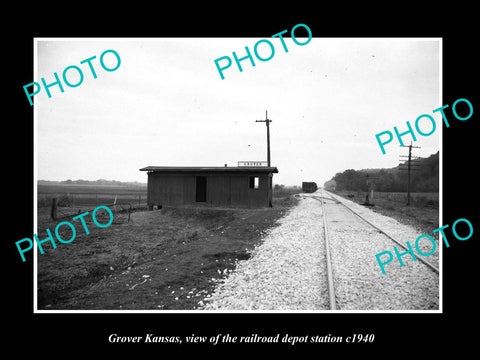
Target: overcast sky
167, 105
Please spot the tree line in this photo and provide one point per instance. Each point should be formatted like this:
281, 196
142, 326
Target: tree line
424, 178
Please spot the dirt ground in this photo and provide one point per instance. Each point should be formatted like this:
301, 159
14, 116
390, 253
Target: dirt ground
167, 259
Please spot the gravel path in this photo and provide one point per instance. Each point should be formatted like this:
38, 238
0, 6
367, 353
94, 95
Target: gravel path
288, 270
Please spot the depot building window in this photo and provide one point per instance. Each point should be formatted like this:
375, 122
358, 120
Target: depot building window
253, 182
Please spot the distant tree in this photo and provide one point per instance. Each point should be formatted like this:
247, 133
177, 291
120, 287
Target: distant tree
330, 184
384, 181
351, 180
424, 178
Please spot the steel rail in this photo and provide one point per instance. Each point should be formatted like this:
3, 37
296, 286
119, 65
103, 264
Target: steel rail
331, 288
430, 265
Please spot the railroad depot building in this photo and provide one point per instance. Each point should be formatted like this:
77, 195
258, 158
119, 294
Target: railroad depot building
242, 186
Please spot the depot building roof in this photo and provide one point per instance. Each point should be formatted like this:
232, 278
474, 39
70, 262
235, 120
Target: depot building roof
211, 169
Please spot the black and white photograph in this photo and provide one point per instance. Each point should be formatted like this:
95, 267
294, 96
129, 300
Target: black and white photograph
261, 191
222, 183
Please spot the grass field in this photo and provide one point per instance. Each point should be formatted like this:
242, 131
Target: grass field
166, 259
75, 195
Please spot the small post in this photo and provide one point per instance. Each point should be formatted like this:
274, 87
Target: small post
53, 213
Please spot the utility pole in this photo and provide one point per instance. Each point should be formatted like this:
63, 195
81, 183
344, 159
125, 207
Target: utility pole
409, 168
267, 122
270, 185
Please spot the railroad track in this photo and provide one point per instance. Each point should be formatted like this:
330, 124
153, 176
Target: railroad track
333, 297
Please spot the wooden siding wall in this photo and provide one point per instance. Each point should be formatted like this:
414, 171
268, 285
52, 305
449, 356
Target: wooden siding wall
222, 189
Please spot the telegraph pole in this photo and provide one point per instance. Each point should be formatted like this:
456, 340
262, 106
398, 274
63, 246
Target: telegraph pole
267, 122
409, 168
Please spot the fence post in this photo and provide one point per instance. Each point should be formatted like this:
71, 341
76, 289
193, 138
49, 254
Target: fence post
53, 213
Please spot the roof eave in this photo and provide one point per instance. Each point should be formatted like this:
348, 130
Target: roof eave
253, 169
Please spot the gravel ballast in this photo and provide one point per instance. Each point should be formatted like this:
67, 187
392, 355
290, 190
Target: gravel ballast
288, 270
359, 281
